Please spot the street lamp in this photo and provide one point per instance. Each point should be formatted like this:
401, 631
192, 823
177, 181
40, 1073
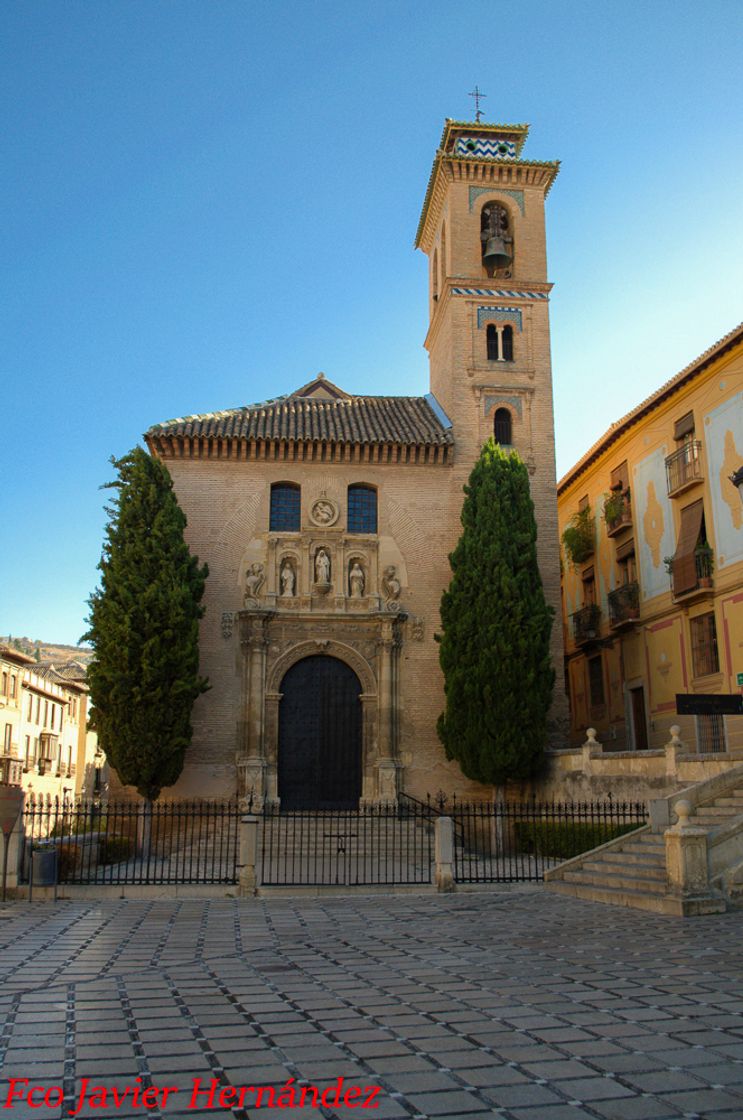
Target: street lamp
737, 480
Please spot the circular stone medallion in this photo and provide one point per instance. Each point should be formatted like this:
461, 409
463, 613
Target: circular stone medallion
324, 512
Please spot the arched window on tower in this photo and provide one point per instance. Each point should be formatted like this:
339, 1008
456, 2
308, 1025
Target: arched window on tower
507, 341
285, 507
362, 509
435, 274
492, 342
502, 427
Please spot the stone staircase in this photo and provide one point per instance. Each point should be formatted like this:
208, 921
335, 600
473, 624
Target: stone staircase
659, 866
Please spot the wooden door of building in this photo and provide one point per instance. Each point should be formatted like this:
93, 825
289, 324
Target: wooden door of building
639, 723
319, 764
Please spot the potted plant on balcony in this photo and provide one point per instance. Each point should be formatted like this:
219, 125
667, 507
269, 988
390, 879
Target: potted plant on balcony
615, 504
704, 557
578, 536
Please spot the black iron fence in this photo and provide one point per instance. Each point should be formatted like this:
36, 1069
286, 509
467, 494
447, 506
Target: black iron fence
388, 844
517, 841
131, 843
196, 842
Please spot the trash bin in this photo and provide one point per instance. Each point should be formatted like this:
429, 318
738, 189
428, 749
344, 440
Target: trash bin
44, 864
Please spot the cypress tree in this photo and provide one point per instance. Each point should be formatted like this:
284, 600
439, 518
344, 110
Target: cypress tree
144, 624
494, 645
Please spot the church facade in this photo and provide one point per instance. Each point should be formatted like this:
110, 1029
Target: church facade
326, 518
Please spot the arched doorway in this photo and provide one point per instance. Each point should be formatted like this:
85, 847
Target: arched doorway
319, 763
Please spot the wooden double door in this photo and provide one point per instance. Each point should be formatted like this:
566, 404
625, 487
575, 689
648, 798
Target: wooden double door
319, 760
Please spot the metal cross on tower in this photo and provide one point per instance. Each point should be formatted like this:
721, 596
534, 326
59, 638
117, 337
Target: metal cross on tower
477, 95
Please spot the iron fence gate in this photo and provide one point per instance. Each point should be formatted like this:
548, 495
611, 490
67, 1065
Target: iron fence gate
376, 844
130, 843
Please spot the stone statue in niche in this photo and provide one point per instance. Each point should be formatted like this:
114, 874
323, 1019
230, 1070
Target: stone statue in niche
288, 580
391, 587
253, 583
322, 566
356, 580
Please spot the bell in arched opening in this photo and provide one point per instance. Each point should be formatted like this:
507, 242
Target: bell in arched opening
496, 242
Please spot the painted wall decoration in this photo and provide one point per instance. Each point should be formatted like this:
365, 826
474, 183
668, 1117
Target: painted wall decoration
656, 536
499, 315
491, 149
723, 435
517, 196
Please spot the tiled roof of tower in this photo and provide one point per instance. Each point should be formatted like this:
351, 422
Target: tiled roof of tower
405, 421
444, 154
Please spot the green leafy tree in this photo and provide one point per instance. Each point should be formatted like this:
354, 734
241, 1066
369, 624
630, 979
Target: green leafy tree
144, 628
494, 645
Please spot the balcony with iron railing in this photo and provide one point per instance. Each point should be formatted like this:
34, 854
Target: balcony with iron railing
704, 567
624, 605
586, 623
684, 467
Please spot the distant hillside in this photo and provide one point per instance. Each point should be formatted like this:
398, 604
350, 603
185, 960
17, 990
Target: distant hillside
48, 651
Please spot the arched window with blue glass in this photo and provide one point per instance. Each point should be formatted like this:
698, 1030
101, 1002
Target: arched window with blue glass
362, 509
286, 499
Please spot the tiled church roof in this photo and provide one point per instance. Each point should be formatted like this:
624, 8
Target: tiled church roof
404, 421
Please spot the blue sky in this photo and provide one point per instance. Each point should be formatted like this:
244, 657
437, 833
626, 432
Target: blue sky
207, 203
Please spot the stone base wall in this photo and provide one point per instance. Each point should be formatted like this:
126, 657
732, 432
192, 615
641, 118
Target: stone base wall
589, 773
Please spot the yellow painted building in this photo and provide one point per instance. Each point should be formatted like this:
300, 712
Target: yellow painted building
46, 745
651, 523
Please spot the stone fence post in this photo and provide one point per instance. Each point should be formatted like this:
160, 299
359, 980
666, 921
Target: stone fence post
674, 750
591, 749
686, 855
444, 854
247, 877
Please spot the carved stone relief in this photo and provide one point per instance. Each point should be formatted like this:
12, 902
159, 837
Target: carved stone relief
324, 511
254, 581
227, 618
391, 588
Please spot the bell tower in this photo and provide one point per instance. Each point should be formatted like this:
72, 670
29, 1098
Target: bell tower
483, 229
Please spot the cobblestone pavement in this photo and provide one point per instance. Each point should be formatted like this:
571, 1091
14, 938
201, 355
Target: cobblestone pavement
514, 1003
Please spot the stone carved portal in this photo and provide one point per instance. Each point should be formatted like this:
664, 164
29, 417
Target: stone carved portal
271, 643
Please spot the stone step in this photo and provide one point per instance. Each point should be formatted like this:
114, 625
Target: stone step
625, 882
713, 814
651, 839
736, 802
639, 859
651, 873
639, 899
